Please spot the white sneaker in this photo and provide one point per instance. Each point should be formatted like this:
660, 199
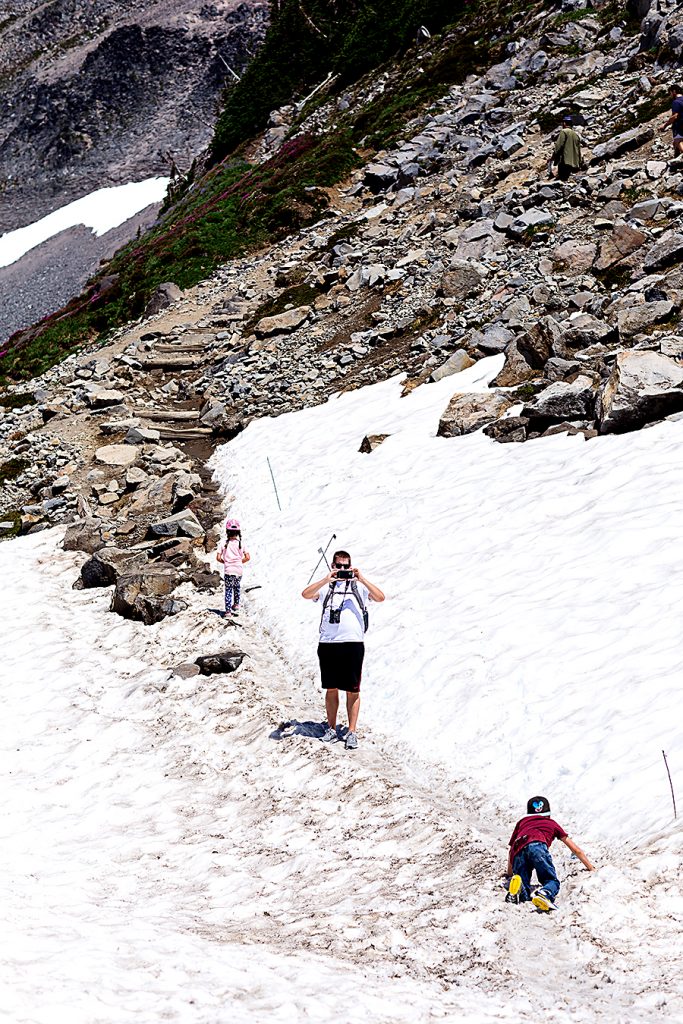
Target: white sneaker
329, 734
351, 741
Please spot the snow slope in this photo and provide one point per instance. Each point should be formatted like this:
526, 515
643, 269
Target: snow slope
531, 638
172, 853
101, 210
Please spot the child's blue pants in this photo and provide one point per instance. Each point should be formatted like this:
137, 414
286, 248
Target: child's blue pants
536, 856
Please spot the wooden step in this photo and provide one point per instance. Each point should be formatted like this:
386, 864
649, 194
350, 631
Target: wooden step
168, 415
166, 363
183, 433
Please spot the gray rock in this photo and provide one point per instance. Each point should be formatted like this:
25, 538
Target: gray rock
584, 330
494, 338
667, 251
372, 441
103, 398
116, 455
167, 294
223, 662
456, 363
562, 401
283, 322
186, 670
184, 522
530, 220
466, 413
142, 435
135, 477
145, 595
641, 318
642, 387
380, 177
462, 279
623, 143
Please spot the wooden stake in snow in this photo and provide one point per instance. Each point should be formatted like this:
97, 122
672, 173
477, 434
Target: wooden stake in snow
673, 798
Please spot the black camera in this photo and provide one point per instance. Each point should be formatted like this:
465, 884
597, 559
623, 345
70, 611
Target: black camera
344, 574
335, 616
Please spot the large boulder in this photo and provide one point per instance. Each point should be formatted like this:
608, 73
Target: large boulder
85, 535
620, 243
526, 356
283, 322
380, 177
145, 595
644, 316
668, 250
562, 401
574, 256
462, 279
622, 143
105, 566
642, 387
165, 295
456, 363
466, 413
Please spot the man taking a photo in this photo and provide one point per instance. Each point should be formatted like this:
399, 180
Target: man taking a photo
343, 594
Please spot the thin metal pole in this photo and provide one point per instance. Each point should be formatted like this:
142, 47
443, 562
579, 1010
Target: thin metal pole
673, 798
274, 484
322, 555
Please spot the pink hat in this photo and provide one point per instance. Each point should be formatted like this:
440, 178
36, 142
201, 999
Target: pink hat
232, 524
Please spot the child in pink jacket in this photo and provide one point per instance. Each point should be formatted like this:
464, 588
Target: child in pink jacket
233, 556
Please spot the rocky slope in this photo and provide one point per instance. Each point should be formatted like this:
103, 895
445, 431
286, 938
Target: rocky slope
110, 91
451, 246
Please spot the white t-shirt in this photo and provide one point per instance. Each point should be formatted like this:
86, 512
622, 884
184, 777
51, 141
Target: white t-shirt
350, 628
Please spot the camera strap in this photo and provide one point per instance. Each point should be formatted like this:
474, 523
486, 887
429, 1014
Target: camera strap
356, 593
328, 597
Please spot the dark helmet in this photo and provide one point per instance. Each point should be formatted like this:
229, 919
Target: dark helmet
538, 805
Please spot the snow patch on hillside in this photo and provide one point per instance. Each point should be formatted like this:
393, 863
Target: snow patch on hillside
101, 211
531, 637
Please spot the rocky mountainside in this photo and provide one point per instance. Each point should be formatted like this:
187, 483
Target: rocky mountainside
110, 91
449, 247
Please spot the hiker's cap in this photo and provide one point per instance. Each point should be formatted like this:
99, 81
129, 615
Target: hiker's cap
567, 119
538, 805
232, 524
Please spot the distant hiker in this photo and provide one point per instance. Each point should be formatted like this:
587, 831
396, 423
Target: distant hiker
567, 152
341, 649
233, 556
529, 851
676, 119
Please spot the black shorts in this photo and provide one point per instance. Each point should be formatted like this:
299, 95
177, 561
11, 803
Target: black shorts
341, 666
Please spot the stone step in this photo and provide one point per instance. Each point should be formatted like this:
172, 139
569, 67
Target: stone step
180, 350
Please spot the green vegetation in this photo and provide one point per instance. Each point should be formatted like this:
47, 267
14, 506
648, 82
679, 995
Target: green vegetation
232, 209
11, 469
14, 518
346, 37
16, 400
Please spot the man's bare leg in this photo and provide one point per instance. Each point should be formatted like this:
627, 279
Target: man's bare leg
332, 707
352, 709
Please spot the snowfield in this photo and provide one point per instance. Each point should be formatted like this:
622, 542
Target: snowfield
172, 850
101, 211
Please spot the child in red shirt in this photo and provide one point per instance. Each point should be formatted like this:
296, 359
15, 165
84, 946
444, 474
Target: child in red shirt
529, 851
